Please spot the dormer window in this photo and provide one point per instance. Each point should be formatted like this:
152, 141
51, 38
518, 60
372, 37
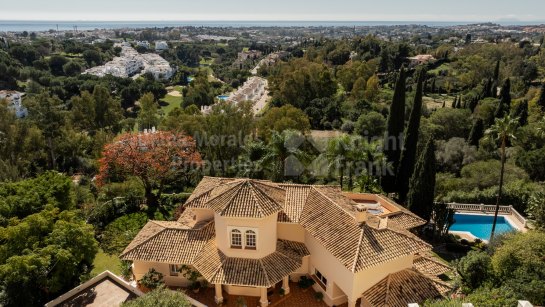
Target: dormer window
236, 238
243, 237
251, 239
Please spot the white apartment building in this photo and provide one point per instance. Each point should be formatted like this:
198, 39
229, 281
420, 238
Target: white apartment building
131, 63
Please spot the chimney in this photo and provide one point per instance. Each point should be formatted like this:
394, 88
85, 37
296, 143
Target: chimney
361, 214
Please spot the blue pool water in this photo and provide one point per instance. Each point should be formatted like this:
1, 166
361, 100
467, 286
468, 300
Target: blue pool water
223, 97
480, 225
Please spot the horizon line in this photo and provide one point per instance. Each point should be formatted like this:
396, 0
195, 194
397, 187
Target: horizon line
271, 20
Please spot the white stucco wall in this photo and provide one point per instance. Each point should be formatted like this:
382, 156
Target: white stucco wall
140, 268
367, 278
266, 235
291, 232
246, 291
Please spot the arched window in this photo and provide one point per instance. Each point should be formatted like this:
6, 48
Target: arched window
250, 239
236, 238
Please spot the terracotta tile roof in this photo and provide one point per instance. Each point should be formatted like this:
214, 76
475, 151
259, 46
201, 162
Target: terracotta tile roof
327, 215
296, 196
357, 247
168, 242
403, 218
430, 266
382, 245
402, 288
406, 221
216, 267
242, 198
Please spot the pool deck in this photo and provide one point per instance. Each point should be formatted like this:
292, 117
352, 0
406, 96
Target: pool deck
508, 217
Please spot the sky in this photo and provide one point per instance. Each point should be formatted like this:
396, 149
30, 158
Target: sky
274, 10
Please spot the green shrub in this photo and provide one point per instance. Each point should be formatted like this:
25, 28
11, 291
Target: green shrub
474, 269
305, 282
152, 279
162, 297
118, 234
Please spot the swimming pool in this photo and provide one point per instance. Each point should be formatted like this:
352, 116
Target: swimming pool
223, 97
480, 225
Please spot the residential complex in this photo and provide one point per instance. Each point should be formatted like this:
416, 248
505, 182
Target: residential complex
245, 236
130, 63
15, 102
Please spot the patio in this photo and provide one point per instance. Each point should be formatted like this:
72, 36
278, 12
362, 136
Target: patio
296, 298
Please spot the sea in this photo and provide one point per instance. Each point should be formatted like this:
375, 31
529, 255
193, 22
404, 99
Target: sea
37, 26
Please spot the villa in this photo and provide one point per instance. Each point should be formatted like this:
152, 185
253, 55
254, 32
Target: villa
245, 236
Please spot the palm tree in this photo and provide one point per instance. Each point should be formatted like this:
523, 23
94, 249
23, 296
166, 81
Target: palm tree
282, 146
502, 132
337, 152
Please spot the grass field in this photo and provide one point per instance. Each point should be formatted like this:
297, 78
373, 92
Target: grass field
169, 103
206, 61
105, 262
443, 67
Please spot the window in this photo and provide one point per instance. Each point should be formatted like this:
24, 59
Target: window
242, 237
250, 239
320, 277
174, 270
236, 238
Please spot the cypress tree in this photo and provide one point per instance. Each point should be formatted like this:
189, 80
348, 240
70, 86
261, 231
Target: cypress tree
433, 85
521, 112
541, 99
486, 89
473, 102
395, 125
477, 132
497, 71
443, 105
422, 184
505, 100
494, 89
408, 155
454, 102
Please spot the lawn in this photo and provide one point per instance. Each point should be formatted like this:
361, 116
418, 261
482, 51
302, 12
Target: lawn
206, 61
445, 66
105, 262
168, 103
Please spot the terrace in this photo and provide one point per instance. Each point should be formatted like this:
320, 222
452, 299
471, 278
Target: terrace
295, 298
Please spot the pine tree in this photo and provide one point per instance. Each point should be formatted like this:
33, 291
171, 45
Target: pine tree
477, 132
505, 100
541, 100
422, 184
408, 155
395, 126
521, 112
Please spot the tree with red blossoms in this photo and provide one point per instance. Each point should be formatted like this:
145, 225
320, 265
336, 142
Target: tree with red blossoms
156, 158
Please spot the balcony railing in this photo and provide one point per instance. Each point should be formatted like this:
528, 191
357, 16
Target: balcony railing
489, 209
